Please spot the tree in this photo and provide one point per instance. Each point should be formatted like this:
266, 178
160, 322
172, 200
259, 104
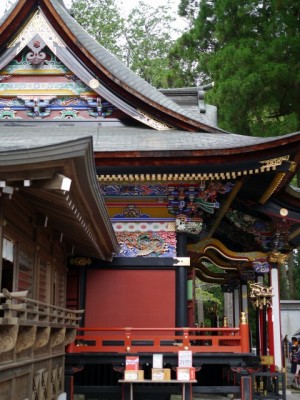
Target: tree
142, 41
103, 21
150, 36
251, 50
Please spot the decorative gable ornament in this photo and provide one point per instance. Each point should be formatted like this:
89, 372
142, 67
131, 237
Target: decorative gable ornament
37, 25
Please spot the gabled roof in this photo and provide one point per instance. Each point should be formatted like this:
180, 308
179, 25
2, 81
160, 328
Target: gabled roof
180, 150
43, 175
117, 83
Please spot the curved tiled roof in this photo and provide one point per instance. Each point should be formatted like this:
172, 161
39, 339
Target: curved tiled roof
119, 139
117, 72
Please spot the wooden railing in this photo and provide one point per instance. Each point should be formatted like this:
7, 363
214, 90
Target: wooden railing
26, 323
17, 308
136, 340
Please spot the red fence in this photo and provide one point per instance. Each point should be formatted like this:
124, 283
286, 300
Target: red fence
154, 340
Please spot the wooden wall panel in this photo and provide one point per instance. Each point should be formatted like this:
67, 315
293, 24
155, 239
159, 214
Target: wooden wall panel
130, 298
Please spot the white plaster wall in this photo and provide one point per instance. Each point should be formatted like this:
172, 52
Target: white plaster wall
290, 317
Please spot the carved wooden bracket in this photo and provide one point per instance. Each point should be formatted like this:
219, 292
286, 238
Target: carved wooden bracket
26, 338
70, 336
42, 337
57, 336
8, 337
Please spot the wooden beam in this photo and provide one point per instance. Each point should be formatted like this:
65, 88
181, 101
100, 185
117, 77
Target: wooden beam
293, 234
58, 182
225, 207
11, 177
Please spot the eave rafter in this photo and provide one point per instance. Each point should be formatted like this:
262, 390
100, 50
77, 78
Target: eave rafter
146, 110
210, 245
208, 278
265, 167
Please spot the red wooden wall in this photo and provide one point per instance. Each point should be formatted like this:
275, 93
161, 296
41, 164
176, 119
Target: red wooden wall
130, 298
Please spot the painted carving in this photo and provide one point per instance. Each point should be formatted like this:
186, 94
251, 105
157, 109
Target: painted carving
147, 244
36, 56
261, 266
38, 25
43, 106
194, 200
144, 226
49, 65
146, 119
72, 88
131, 212
38, 107
258, 231
189, 225
80, 261
277, 257
69, 113
98, 109
260, 295
134, 190
8, 113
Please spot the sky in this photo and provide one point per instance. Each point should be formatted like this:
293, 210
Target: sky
125, 5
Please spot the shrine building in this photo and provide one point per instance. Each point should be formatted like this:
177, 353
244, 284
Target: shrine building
121, 206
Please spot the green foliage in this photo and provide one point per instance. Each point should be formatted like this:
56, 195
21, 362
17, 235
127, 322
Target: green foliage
251, 50
142, 41
212, 297
149, 38
297, 276
188, 9
102, 20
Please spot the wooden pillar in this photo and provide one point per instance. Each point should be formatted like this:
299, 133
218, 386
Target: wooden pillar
228, 308
246, 388
1, 240
82, 292
181, 283
244, 299
237, 307
276, 317
259, 332
69, 383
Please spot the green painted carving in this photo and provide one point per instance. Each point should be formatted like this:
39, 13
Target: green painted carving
21, 63
7, 113
69, 113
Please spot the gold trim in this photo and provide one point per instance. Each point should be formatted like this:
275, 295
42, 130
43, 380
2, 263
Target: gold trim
277, 257
273, 186
148, 120
266, 166
273, 162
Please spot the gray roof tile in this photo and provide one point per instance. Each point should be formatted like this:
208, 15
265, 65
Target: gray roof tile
108, 139
119, 71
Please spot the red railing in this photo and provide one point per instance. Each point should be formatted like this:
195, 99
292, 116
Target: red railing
153, 340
